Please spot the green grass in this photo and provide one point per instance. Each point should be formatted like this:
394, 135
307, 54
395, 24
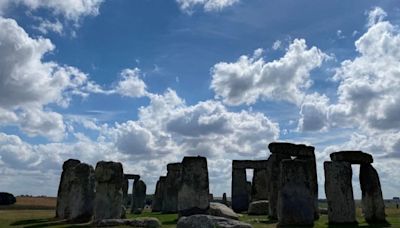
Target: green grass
45, 218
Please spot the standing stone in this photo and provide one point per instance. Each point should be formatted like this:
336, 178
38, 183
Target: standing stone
224, 199
109, 181
313, 179
373, 206
172, 185
139, 197
295, 199
82, 193
273, 185
136, 179
194, 189
240, 196
248, 188
158, 195
125, 188
339, 192
63, 208
259, 185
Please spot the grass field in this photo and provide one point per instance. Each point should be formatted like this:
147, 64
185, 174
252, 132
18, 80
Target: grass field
34, 216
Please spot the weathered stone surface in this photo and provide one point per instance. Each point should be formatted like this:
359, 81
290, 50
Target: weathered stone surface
139, 197
339, 192
125, 187
259, 185
291, 149
373, 206
81, 196
137, 222
108, 199
208, 221
274, 170
221, 210
171, 188
295, 199
353, 157
63, 209
258, 207
313, 180
158, 195
194, 189
132, 177
240, 196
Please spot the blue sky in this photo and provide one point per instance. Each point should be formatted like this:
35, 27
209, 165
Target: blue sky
147, 82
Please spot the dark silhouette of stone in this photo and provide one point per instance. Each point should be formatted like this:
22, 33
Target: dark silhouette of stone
158, 195
353, 157
240, 196
139, 197
109, 196
171, 188
295, 199
81, 197
194, 190
224, 199
7, 198
259, 185
125, 187
274, 170
291, 149
209, 221
373, 206
313, 180
339, 192
63, 196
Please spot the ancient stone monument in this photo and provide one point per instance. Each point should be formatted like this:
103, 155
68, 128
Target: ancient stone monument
295, 197
125, 187
171, 188
139, 197
76, 192
339, 190
158, 195
135, 178
109, 196
241, 194
194, 189
287, 151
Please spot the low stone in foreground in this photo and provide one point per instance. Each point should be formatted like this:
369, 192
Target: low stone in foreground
145, 222
209, 221
221, 210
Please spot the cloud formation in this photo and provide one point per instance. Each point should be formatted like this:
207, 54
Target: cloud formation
250, 79
208, 5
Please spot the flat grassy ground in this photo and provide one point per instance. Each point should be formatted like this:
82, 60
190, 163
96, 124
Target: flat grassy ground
35, 216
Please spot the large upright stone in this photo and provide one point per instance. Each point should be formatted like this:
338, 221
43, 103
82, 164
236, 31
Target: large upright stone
63, 208
158, 195
240, 196
339, 192
295, 199
125, 187
313, 179
194, 189
259, 185
139, 196
81, 198
274, 184
373, 206
172, 185
109, 181
353, 157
